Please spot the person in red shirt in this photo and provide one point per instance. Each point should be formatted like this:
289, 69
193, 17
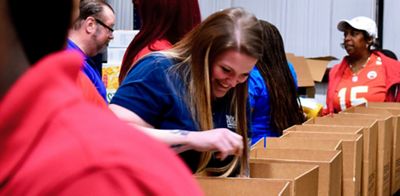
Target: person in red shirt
364, 75
163, 23
52, 141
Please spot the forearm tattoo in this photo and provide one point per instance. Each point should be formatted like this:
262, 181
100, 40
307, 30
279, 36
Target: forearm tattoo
180, 132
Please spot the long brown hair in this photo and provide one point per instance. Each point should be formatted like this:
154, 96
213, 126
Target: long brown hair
232, 28
285, 108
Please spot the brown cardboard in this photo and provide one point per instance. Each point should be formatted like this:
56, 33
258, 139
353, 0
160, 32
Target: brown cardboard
394, 109
318, 65
325, 128
309, 70
258, 144
214, 186
370, 141
385, 138
303, 178
303, 143
329, 162
389, 105
352, 145
304, 77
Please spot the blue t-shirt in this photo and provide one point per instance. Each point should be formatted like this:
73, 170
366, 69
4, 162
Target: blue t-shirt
260, 105
151, 91
90, 71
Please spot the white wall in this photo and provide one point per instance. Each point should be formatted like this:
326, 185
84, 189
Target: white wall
391, 25
124, 14
308, 27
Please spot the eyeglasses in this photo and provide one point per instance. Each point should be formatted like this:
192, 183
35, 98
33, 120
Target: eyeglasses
104, 25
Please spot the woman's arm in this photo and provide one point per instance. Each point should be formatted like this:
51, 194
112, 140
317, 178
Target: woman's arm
222, 140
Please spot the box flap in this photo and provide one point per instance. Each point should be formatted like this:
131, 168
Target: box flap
317, 68
243, 186
304, 78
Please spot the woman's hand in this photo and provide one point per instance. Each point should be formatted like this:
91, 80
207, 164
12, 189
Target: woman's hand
222, 140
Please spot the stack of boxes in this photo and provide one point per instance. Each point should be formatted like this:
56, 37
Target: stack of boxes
352, 153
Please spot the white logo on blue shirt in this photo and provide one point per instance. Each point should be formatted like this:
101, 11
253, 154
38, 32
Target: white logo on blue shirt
230, 122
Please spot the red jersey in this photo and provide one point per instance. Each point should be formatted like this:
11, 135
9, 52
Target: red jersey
369, 84
53, 142
366, 85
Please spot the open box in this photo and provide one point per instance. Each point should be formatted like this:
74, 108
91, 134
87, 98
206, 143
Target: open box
329, 162
215, 186
385, 146
303, 179
309, 71
325, 128
394, 109
370, 141
352, 145
298, 143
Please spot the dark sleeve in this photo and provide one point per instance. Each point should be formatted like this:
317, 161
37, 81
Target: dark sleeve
146, 90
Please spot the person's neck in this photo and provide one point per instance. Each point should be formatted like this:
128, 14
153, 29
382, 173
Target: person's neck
75, 37
359, 61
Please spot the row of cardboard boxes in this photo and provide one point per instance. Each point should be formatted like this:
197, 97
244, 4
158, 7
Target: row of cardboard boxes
355, 152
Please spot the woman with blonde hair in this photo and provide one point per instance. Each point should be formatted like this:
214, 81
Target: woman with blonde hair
199, 84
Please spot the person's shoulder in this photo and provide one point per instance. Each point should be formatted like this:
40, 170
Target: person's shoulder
155, 60
161, 44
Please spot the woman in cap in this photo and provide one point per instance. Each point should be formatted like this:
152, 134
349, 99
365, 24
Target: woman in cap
364, 74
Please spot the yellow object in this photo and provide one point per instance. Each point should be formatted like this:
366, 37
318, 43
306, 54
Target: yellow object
310, 107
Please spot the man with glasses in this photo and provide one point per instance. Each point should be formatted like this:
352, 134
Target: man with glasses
90, 34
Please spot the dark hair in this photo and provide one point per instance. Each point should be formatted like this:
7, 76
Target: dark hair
161, 19
91, 8
273, 67
32, 26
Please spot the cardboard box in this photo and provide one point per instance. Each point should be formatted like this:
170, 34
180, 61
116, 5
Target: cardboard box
329, 162
394, 109
304, 77
303, 178
352, 145
302, 143
388, 105
309, 70
385, 146
370, 141
325, 128
259, 144
318, 66
214, 186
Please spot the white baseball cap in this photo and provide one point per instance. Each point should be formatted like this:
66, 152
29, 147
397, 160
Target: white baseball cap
360, 23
